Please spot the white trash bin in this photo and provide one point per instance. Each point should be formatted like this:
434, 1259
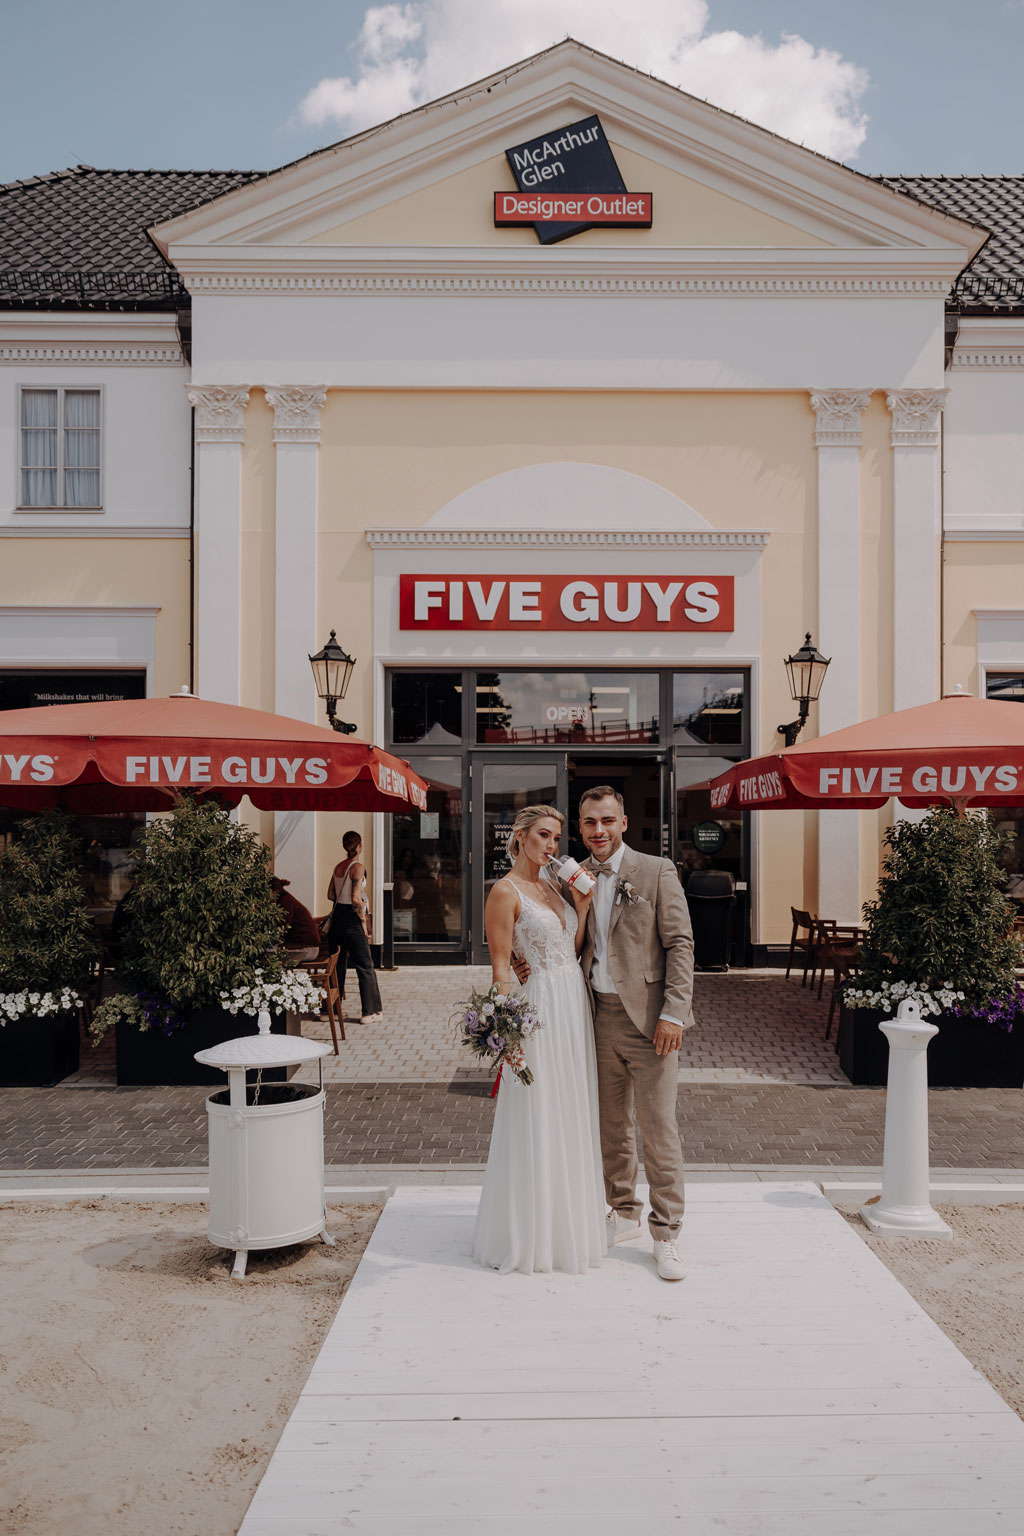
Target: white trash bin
266, 1147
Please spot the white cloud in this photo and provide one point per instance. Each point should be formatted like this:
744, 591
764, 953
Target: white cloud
415, 52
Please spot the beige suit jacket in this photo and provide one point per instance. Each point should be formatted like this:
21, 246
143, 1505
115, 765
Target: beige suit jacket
650, 944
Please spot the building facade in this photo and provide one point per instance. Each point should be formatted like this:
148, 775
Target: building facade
568, 489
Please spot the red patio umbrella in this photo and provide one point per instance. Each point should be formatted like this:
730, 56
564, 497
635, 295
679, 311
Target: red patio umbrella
136, 754
960, 749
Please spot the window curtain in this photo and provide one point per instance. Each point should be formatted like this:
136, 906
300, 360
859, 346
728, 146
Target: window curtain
39, 448
81, 448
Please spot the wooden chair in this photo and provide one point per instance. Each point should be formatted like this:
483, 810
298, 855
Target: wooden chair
324, 973
800, 920
845, 959
826, 937
836, 949
324, 925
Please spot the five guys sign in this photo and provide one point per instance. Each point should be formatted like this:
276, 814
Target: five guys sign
651, 603
568, 181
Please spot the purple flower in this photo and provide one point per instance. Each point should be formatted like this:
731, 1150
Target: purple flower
471, 1017
997, 1010
496, 1043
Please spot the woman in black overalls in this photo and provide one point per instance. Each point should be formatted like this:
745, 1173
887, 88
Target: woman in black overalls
347, 931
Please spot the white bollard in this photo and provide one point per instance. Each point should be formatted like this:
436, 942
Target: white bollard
904, 1207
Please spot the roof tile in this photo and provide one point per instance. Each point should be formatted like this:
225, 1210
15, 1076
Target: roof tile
994, 281
77, 238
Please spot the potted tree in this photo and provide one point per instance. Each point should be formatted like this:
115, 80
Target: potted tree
940, 931
201, 944
47, 946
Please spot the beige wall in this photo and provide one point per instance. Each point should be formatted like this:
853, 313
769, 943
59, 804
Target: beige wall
458, 210
742, 461
391, 458
981, 575
109, 573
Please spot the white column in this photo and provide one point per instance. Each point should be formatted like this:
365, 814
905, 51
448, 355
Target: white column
917, 536
297, 446
837, 440
219, 434
904, 1209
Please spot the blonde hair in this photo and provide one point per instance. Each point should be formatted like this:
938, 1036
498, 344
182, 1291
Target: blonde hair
524, 821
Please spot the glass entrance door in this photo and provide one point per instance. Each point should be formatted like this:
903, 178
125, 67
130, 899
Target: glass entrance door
499, 790
643, 784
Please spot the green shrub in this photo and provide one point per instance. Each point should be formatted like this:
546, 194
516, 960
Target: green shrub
47, 938
940, 921
202, 917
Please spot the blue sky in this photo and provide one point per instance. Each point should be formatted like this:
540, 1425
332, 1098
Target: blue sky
223, 83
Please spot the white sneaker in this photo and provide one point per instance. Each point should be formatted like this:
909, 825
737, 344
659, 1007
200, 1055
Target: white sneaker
372, 1018
620, 1229
666, 1256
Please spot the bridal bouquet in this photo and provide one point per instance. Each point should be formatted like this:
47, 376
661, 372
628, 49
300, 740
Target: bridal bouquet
494, 1025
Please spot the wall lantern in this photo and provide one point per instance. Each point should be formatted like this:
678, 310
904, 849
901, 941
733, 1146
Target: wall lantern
332, 669
806, 670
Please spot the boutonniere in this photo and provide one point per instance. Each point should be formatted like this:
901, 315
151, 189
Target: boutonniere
626, 891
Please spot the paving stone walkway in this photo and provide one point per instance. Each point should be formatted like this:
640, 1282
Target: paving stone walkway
753, 1027
759, 1087
448, 1125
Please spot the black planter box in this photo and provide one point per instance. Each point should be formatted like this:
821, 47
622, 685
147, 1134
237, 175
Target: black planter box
966, 1053
36, 1053
149, 1058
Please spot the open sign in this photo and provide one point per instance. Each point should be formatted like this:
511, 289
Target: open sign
567, 714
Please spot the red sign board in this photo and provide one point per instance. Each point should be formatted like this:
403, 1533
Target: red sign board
614, 210
651, 603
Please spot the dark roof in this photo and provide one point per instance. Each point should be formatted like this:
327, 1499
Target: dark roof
994, 281
77, 239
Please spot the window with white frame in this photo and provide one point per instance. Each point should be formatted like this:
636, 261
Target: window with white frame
60, 448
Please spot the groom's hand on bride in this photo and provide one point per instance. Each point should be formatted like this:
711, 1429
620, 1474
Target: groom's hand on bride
521, 967
667, 1037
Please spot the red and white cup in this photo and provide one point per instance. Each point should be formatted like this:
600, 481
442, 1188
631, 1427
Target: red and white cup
573, 874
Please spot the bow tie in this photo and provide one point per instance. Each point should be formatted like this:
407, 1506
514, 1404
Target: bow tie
601, 869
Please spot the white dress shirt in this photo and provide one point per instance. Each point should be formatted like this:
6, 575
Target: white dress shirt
604, 901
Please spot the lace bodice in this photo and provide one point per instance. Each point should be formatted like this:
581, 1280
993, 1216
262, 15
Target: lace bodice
539, 936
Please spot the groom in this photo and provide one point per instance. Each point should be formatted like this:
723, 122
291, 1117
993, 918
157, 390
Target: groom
637, 959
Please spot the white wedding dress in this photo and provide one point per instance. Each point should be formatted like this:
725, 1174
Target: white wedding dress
542, 1205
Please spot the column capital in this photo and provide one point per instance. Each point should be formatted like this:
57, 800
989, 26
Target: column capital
915, 416
838, 413
220, 412
296, 410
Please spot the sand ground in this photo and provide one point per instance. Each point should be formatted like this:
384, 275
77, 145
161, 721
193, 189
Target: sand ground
142, 1389
973, 1286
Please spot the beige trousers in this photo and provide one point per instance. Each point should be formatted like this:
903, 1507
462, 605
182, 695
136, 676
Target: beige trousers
632, 1076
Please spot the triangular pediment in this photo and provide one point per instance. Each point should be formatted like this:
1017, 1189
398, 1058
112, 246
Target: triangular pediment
425, 182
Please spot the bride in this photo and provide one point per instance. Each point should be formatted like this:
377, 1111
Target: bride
542, 1205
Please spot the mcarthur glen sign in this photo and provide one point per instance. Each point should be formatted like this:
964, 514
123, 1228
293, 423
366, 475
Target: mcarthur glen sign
568, 181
